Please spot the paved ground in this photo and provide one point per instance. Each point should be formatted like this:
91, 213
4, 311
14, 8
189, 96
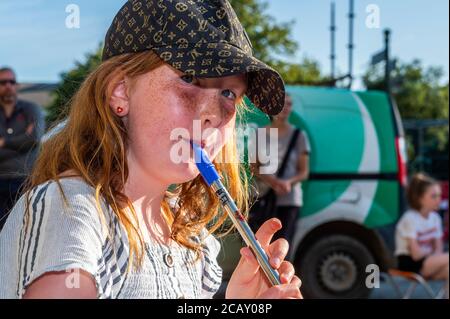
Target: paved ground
386, 291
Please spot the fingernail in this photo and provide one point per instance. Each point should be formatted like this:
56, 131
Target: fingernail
277, 261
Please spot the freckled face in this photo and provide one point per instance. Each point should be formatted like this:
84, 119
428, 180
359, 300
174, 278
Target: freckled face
165, 100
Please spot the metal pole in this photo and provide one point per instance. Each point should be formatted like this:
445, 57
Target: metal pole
420, 149
333, 40
387, 80
351, 17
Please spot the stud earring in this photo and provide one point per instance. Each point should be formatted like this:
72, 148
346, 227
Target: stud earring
119, 110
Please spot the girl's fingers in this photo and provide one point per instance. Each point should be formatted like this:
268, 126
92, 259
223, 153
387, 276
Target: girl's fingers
248, 266
267, 230
287, 272
296, 281
278, 251
287, 291
249, 257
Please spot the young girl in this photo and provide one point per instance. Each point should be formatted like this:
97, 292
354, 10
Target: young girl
419, 246
108, 213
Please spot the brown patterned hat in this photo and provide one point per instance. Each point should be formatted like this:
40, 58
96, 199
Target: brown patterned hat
202, 38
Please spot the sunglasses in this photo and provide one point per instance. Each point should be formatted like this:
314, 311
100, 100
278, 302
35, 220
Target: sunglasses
4, 82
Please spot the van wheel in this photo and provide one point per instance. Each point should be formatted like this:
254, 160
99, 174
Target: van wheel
334, 267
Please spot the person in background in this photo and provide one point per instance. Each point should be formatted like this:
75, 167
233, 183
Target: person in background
419, 246
21, 127
287, 187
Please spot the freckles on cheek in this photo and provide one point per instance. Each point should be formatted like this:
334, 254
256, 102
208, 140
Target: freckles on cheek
180, 109
183, 101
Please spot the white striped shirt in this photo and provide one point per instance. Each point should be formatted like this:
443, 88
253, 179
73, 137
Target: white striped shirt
58, 237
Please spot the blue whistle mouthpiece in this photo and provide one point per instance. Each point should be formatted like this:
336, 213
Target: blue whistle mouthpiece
204, 165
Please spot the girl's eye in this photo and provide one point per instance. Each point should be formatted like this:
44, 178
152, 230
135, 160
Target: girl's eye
188, 78
229, 94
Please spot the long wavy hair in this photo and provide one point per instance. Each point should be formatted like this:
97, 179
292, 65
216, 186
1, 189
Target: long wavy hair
93, 144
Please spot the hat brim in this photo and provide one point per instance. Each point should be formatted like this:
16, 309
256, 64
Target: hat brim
265, 86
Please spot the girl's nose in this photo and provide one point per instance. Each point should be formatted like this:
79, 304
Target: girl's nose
211, 111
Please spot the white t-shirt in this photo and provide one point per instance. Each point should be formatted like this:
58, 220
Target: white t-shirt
424, 230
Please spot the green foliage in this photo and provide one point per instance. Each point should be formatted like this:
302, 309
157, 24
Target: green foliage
70, 83
419, 94
417, 90
306, 73
267, 36
271, 40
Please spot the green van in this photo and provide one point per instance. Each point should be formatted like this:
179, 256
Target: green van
354, 194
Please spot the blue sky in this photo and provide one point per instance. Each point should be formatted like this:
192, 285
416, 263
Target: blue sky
35, 41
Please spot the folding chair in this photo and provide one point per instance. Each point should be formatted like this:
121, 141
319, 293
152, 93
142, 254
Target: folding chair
414, 279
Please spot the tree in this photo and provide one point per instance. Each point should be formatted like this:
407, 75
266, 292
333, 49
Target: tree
417, 90
305, 73
268, 38
419, 94
271, 40
70, 83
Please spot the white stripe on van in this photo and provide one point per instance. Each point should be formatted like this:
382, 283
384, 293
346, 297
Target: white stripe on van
355, 202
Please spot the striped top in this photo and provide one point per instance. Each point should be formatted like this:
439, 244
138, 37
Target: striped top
58, 237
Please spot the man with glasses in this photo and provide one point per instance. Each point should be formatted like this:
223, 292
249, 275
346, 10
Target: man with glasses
21, 127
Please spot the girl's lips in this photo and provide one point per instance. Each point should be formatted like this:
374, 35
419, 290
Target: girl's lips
202, 144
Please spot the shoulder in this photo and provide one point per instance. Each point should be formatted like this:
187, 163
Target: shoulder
303, 134
303, 141
411, 214
410, 217
62, 230
70, 202
28, 106
70, 189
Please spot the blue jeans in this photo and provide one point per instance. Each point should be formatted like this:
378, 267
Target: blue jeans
9, 192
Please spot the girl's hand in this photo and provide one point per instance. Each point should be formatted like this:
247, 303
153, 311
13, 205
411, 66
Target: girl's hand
248, 279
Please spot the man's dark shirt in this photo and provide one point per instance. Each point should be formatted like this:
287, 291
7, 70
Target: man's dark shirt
20, 150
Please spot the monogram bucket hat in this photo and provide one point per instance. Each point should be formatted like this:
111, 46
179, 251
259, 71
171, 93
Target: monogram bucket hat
201, 38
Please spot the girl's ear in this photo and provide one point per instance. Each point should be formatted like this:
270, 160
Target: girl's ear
119, 102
